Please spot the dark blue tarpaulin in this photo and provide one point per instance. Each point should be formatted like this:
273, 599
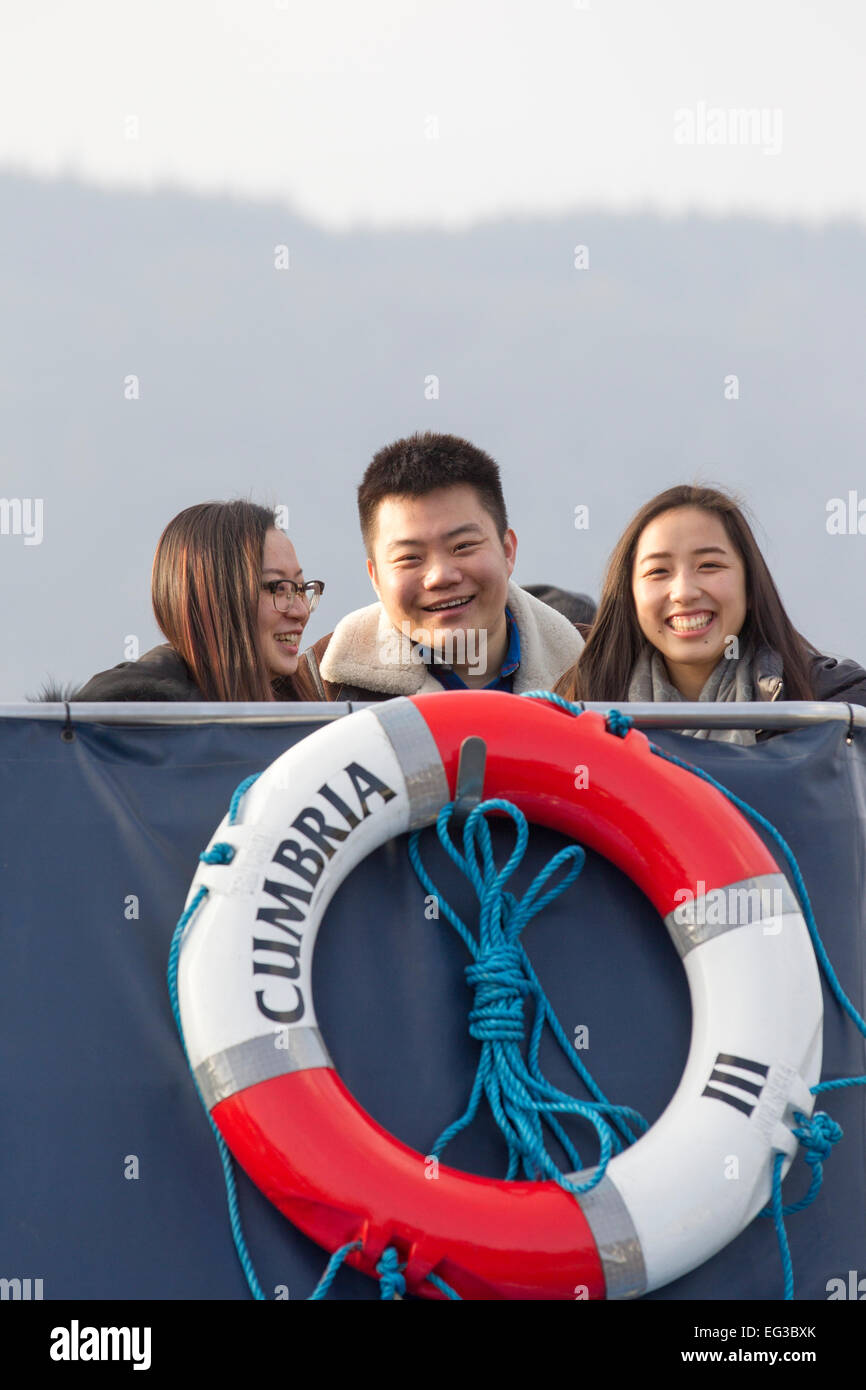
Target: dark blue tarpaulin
100, 838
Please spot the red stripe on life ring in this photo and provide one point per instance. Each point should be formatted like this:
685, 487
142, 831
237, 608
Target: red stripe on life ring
339, 1176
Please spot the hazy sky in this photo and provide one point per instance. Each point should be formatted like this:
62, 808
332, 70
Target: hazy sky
379, 114
446, 111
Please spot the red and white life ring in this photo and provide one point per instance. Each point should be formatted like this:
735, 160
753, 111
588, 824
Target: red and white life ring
666, 1204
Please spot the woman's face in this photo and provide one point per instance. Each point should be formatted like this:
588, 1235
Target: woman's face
280, 633
689, 589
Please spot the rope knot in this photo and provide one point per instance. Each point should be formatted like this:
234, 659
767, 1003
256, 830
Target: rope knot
392, 1284
818, 1136
500, 985
220, 854
618, 723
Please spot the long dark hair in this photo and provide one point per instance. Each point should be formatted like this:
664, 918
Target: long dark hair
604, 667
207, 574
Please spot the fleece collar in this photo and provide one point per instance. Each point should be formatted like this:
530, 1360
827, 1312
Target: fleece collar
366, 651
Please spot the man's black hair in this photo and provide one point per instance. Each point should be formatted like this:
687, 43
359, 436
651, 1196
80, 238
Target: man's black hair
422, 463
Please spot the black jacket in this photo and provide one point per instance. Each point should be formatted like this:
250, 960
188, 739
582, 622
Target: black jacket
838, 680
162, 674
832, 680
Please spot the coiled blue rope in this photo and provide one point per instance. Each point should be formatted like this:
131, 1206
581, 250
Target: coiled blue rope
817, 1136
520, 1097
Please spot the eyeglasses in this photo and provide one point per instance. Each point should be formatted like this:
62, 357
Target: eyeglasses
285, 591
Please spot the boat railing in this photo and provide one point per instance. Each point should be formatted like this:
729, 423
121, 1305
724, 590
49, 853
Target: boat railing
791, 714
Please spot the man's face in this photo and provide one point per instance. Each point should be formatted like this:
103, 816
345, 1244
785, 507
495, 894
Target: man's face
439, 566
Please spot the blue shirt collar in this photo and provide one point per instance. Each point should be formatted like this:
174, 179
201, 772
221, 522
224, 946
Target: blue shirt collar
503, 681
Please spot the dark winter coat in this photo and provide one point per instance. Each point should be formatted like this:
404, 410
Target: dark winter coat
834, 679
162, 674
831, 679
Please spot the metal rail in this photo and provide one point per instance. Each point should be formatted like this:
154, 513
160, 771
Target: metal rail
792, 714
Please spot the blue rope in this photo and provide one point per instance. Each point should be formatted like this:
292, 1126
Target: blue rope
836, 1085
225, 1157
777, 1212
238, 795
391, 1281
521, 1099
618, 723
330, 1273
443, 1287
217, 855
561, 703
817, 1138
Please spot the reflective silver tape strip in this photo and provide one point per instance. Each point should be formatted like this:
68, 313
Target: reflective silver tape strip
615, 1237
419, 759
260, 1059
703, 917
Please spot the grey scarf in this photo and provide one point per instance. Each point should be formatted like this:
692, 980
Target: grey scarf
748, 677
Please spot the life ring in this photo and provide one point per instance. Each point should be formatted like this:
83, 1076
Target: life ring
666, 1204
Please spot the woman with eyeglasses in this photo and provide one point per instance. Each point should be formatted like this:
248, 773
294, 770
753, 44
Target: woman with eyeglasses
229, 595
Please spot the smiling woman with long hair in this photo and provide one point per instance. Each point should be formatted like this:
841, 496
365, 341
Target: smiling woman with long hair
689, 611
229, 595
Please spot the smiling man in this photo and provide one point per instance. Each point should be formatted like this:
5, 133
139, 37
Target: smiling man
440, 554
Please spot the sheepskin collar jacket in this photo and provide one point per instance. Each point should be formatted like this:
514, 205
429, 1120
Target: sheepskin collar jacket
364, 658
